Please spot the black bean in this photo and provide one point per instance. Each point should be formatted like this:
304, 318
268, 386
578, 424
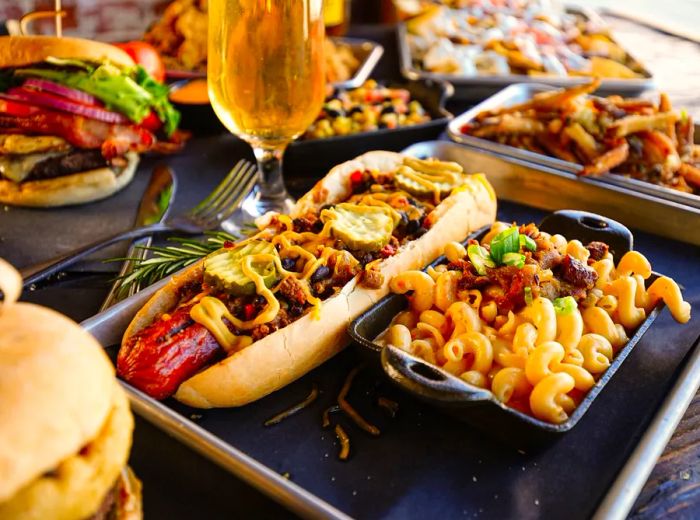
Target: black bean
321, 273
404, 218
420, 232
295, 309
317, 226
412, 226
355, 110
388, 109
289, 264
331, 112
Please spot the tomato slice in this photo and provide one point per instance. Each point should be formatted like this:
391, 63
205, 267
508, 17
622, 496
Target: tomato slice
14, 108
147, 56
151, 122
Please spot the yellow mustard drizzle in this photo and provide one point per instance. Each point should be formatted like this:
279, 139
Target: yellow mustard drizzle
286, 221
312, 263
372, 200
273, 306
482, 179
310, 268
469, 185
432, 166
208, 308
430, 180
316, 302
209, 313
286, 247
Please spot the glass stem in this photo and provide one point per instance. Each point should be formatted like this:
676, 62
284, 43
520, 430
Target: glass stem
271, 187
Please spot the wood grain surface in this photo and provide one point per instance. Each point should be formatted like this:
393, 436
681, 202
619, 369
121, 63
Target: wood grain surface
673, 488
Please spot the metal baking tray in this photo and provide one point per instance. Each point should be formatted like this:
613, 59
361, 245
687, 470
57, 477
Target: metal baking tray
475, 473
320, 155
425, 454
522, 92
474, 405
547, 188
478, 87
367, 52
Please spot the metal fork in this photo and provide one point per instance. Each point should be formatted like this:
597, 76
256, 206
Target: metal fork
208, 214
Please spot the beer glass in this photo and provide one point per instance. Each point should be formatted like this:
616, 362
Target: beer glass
266, 82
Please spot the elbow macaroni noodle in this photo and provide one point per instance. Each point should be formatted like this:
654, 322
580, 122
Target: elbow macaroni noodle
537, 358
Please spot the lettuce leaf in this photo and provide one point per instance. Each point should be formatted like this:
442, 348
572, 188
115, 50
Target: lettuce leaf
160, 103
132, 92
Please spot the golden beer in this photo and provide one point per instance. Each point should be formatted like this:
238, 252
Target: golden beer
265, 67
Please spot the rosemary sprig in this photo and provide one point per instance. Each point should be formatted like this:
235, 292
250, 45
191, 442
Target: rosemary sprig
166, 260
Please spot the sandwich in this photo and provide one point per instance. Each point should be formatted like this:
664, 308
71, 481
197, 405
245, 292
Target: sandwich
66, 424
74, 115
258, 314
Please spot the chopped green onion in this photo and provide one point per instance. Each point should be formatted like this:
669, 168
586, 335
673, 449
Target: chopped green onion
514, 259
565, 305
684, 116
527, 243
479, 258
505, 242
528, 295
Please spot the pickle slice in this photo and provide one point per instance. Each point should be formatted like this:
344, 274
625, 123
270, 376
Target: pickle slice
433, 166
360, 227
421, 189
223, 271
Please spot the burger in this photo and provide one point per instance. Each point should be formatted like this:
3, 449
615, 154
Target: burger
74, 115
66, 424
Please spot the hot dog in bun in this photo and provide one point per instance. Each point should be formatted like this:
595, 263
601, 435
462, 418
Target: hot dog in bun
256, 315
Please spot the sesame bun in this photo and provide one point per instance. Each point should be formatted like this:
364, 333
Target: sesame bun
20, 51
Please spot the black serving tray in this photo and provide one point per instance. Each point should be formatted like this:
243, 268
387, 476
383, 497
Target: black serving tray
320, 155
426, 464
474, 405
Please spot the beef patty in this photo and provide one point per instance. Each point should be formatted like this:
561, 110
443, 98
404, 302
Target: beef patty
73, 162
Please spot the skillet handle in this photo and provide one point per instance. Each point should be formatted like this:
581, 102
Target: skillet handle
427, 381
589, 227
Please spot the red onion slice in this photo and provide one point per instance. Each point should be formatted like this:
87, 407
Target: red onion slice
47, 100
61, 90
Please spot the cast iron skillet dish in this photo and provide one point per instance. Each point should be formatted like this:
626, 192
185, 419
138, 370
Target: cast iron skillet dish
559, 315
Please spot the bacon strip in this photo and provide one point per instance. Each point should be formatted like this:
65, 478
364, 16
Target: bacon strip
81, 132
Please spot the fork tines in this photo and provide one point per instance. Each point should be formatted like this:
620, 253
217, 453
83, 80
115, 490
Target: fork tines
227, 196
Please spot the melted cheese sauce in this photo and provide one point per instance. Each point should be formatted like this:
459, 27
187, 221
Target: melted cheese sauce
210, 313
315, 250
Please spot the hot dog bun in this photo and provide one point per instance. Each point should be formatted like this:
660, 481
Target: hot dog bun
288, 353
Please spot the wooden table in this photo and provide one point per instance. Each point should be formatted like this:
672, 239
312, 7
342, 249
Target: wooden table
673, 488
